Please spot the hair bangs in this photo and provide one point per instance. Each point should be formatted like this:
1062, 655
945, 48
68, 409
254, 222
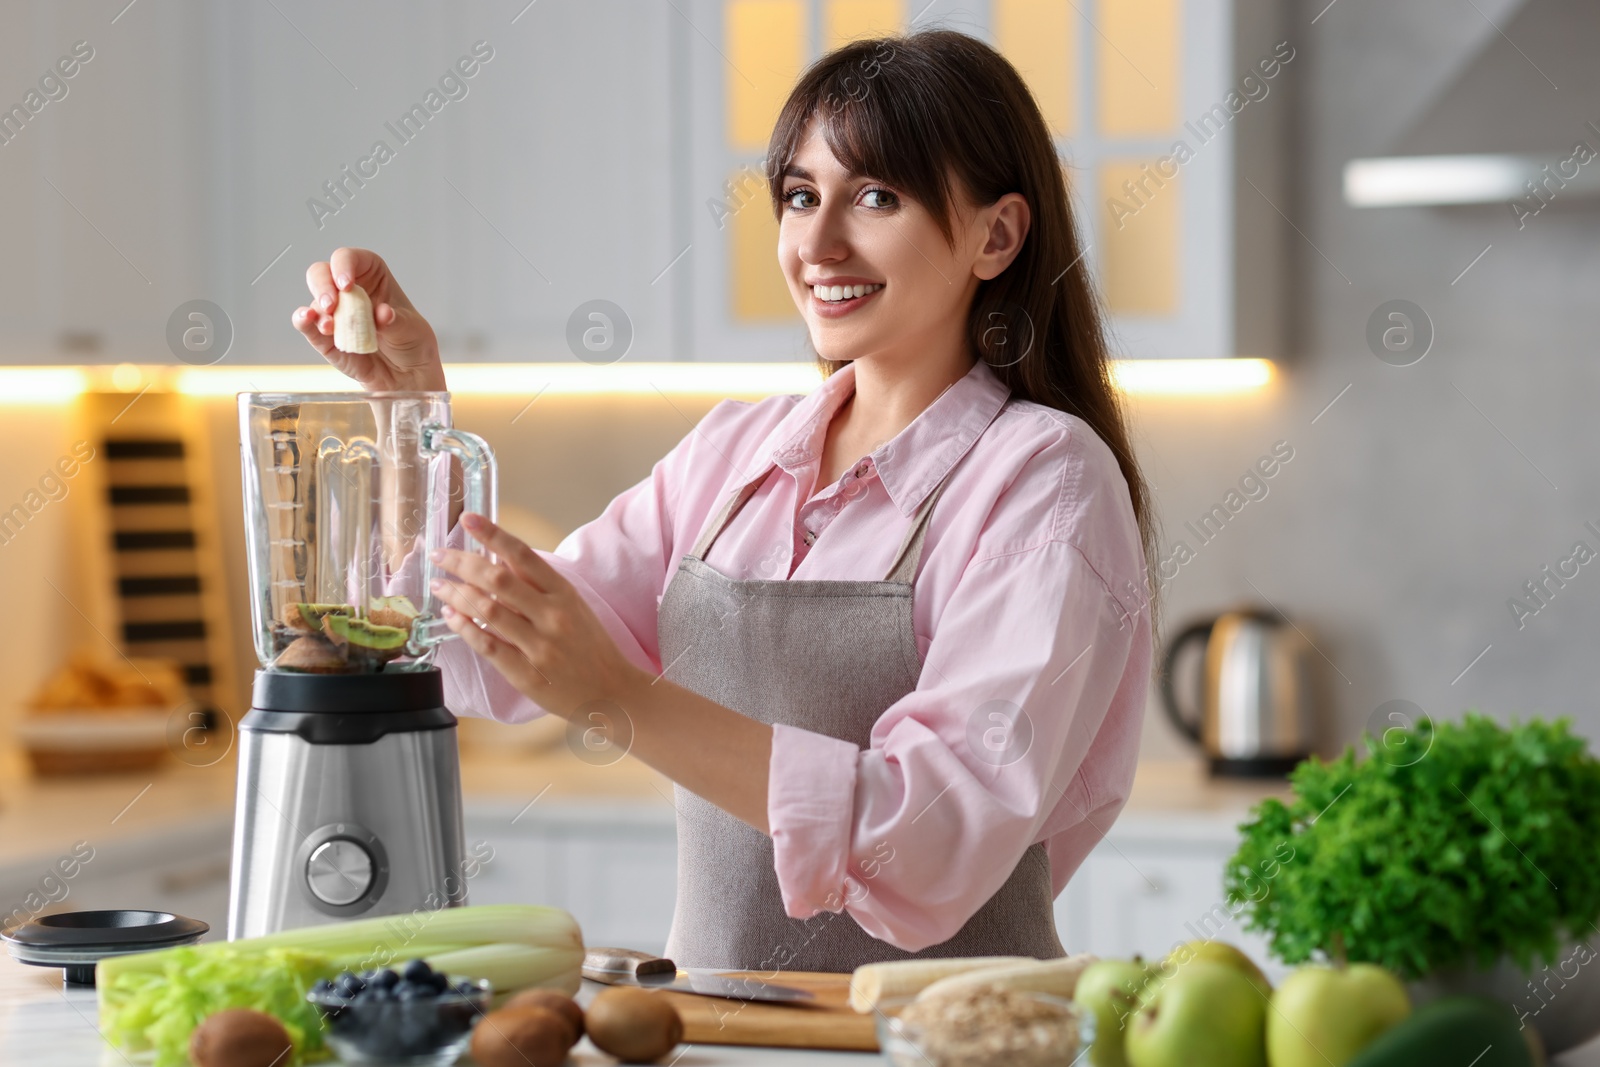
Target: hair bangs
865, 102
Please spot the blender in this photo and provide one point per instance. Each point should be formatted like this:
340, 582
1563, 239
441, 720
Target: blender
349, 784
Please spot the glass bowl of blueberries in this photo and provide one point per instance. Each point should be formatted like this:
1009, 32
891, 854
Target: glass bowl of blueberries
414, 1015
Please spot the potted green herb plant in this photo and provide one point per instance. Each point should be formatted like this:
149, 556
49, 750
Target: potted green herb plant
1464, 857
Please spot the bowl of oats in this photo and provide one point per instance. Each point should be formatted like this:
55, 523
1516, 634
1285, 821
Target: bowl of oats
986, 1026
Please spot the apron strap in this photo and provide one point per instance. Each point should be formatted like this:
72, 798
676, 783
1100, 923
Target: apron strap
904, 568
725, 516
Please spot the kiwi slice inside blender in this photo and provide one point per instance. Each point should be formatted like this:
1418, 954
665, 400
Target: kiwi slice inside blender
396, 611
308, 617
313, 654
366, 639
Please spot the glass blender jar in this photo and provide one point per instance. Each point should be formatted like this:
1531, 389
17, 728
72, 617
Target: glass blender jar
345, 496
349, 794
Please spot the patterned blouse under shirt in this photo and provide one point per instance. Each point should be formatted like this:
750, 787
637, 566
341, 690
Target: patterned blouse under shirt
1029, 610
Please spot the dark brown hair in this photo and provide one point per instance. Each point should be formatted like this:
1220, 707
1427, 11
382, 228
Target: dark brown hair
939, 115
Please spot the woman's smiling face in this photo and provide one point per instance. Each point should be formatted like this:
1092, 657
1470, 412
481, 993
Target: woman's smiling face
862, 236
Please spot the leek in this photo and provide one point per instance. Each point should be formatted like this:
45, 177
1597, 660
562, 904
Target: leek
154, 1000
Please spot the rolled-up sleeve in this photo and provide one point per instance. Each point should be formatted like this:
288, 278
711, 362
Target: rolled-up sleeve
1024, 727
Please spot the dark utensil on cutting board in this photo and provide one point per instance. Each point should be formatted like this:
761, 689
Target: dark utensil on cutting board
76, 940
622, 966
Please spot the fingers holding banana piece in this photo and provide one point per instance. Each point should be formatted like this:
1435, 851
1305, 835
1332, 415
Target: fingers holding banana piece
353, 327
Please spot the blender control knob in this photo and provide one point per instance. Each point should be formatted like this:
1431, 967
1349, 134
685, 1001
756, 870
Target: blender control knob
339, 872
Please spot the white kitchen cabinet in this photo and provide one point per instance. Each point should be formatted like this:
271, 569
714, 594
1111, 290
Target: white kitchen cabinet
542, 181
1153, 883
106, 187
614, 866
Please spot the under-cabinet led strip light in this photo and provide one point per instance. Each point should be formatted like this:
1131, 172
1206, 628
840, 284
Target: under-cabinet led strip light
27, 385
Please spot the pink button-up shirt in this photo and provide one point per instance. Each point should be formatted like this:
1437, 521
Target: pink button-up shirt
1029, 614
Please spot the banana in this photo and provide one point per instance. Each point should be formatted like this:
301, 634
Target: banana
1058, 977
353, 328
895, 981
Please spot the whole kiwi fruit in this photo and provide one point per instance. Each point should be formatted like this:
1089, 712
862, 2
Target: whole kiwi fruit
550, 1000
633, 1025
239, 1037
522, 1037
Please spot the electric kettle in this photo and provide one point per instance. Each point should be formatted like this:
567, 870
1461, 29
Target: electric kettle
1253, 716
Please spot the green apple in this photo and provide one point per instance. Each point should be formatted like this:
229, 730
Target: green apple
1323, 1016
1217, 952
1110, 989
1205, 1015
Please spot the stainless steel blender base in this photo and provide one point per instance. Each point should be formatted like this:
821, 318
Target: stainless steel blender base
333, 823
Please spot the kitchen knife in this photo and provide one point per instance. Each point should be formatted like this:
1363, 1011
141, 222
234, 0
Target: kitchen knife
621, 966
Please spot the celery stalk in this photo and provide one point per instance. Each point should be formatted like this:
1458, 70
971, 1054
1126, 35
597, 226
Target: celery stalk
509, 967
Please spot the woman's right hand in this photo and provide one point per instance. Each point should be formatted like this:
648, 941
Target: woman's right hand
408, 352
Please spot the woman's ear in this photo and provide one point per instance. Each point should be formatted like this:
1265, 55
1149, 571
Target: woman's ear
1004, 226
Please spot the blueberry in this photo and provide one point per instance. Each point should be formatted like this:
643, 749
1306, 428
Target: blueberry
323, 987
441, 982
348, 985
385, 979
418, 971
466, 989
415, 990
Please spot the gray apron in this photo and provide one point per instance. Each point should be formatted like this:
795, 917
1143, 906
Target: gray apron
827, 656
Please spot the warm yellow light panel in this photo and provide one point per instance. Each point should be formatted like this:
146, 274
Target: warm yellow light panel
766, 43
46, 386
1040, 37
1139, 67
757, 289
1139, 239
844, 21
1190, 377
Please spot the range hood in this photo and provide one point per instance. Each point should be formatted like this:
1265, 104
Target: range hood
1508, 123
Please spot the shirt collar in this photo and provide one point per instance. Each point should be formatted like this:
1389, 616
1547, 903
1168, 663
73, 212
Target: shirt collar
914, 460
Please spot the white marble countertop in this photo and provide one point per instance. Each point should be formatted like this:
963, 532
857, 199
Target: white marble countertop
43, 1025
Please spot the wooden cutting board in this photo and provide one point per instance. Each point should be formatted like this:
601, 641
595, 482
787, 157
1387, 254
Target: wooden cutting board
828, 1023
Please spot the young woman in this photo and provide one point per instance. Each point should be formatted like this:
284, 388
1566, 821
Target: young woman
890, 639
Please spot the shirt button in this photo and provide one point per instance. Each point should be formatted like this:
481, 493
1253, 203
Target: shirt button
862, 468
810, 537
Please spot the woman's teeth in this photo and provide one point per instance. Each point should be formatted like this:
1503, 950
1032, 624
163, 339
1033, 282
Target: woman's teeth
831, 293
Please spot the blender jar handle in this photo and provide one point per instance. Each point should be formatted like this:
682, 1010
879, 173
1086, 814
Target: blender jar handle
479, 473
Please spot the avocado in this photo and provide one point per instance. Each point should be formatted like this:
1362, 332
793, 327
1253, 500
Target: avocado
1454, 1030
396, 611
308, 617
364, 639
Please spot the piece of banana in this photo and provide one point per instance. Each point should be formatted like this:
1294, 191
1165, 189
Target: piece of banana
353, 328
1058, 977
896, 981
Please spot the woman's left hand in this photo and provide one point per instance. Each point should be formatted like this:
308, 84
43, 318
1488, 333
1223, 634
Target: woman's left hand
530, 623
